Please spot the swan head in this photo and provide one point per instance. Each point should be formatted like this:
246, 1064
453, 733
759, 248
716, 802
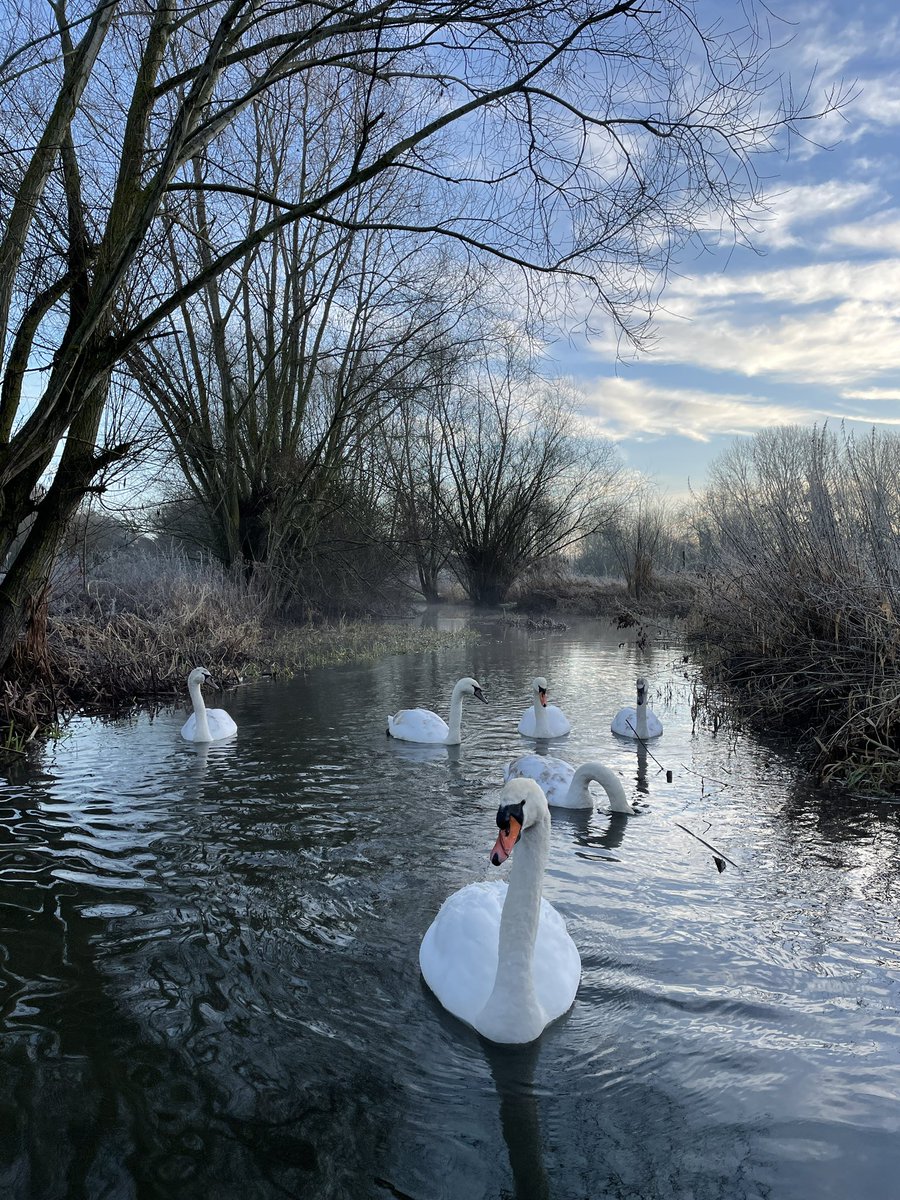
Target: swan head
199, 676
539, 687
522, 804
641, 691
471, 687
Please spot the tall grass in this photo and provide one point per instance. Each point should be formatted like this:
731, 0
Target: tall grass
800, 603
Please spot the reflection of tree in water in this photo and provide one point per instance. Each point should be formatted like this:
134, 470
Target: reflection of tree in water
196, 1032
833, 815
846, 849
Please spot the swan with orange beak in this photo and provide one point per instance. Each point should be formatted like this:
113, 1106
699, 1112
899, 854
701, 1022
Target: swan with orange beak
497, 955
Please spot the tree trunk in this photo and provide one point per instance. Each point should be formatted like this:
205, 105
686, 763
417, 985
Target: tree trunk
28, 573
486, 585
428, 584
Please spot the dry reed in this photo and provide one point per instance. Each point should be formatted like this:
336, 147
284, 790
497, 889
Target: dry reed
798, 611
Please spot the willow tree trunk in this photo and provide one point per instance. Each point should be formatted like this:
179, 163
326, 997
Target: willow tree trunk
29, 572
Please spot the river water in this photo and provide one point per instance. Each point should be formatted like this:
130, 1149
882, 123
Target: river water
209, 983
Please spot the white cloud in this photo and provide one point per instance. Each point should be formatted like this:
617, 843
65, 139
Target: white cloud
881, 233
833, 38
807, 206
793, 286
878, 101
871, 394
852, 342
832, 324
635, 409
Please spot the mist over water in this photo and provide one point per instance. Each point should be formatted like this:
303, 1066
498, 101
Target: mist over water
209, 981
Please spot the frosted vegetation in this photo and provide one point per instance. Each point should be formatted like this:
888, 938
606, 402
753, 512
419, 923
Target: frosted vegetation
799, 534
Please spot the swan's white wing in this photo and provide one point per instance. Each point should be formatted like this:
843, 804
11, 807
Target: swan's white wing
527, 724
221, 724
556, 725
624, 723
553, 774
418, 725
557, 964
458, 955
557, 721
459, 951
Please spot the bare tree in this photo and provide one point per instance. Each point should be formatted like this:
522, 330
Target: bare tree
589, 145
413, 443
803, 590
265, 380
640, 537
522, 484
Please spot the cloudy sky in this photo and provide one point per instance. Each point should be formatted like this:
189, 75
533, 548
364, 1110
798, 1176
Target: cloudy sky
807, 328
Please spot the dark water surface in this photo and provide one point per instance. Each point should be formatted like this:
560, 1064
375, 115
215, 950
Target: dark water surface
209, 983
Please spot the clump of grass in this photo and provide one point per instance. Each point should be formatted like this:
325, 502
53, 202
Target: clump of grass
300, 649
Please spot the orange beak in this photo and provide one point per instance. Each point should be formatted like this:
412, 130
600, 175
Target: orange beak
505, 842
542, 692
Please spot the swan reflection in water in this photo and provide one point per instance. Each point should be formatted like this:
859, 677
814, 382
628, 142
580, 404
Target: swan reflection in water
423, 754
583, 826
642, 784
209, 755
513, 1070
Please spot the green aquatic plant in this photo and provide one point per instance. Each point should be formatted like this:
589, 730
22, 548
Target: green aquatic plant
12, 742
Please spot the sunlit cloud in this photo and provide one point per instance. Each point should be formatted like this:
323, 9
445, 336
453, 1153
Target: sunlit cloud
881, 234
806, 207
872, 394
854, 341
635, 409
808, 331
816, 284
835, 324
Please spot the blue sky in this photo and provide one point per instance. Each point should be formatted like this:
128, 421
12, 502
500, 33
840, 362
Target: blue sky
805, 330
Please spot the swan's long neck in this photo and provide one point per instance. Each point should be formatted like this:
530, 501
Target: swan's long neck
641, 722
540, 718
202, 734
608, 780
512, 1008
454, 737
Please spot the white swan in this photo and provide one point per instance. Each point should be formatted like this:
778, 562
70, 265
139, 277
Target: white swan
423, 725
565, 787
205, 724
637, 722
500, 958
543, 720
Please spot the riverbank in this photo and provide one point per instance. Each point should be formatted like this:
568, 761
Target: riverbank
821, 670
671, 596
93, 662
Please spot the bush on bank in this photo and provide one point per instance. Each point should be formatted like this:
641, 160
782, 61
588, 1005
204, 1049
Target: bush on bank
799, 611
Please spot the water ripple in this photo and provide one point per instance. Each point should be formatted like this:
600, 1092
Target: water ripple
209, 980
